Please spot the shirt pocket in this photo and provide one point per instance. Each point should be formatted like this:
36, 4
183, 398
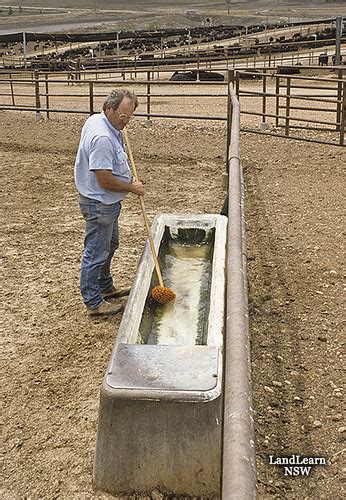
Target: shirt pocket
120, 164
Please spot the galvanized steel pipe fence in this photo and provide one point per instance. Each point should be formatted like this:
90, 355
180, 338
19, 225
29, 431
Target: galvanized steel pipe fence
281, 108
306, 95
267, 54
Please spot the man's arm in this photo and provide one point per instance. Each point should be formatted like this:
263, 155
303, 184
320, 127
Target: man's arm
108, 181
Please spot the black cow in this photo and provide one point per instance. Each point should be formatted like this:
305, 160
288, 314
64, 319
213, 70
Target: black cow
211, 75
334, 59
289, 70
250, 74
191, 76
186, 76
323, 60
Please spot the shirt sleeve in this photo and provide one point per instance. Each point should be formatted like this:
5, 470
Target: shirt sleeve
101, 153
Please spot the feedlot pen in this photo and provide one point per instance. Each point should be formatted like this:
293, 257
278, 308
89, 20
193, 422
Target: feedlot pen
293, 199
310, 107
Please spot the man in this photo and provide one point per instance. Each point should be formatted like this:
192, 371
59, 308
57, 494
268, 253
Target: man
103, 179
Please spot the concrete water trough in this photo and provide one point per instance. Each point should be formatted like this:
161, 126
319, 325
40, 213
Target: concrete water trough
160, 415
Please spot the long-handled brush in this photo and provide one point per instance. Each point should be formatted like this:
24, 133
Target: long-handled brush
159, 293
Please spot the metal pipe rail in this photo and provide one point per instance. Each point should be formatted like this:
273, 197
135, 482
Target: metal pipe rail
250, 94
239, 458
307, 108
153, 90
254, 93
122, 82
312, 78
44, 94
29, 74
320, 87
293, 137
85, 112
284, 117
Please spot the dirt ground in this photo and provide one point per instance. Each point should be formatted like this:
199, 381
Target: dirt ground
140, 14
55, 356
145, 14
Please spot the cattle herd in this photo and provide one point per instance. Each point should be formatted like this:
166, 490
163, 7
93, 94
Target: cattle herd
140, 48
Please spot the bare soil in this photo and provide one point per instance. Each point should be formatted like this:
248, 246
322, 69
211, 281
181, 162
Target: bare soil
55, 356
142, 14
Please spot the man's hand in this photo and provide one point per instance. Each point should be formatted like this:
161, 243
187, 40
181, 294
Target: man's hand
137, 188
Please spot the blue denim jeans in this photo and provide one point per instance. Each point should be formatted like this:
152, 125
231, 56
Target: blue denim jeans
101, 241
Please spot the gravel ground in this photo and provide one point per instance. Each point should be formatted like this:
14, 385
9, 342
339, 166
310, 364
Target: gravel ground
55, 356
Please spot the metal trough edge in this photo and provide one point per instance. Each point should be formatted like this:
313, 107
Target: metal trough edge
239, 457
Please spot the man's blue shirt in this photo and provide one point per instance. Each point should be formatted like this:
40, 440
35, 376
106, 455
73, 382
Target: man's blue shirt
101, 147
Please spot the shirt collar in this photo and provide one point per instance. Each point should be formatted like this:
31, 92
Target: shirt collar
114, 130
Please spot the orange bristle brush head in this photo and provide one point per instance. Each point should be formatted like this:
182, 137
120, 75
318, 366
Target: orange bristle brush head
162, 295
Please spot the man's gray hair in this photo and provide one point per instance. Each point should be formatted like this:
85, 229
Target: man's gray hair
117, 95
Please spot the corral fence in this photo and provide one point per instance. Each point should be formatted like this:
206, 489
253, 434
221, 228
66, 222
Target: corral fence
314, 107
288, 102
267, 53
85, 69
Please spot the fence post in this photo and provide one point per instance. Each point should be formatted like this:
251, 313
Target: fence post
230, 77
277, 99
339, 101
47, 95
288, 100
148, 98
37, 97
12, 93
264, 96
343, 116
237, 83
91, 98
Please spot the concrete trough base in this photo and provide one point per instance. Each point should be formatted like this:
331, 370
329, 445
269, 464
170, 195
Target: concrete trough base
172, 447
160, 415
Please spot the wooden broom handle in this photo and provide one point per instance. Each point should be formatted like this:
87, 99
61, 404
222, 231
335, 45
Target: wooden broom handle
141, 199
